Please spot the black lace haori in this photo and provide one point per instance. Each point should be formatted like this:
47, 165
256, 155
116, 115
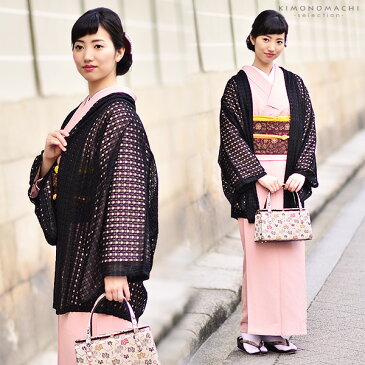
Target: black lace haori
104, 220
240, 169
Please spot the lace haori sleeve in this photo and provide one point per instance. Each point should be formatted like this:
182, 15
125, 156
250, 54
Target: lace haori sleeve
306, 164
128, 237
239, 165
34, 173
44, 205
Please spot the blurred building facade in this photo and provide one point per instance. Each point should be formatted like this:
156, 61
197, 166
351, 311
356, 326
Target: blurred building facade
184, 52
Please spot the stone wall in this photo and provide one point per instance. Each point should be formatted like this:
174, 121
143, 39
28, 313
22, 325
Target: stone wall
184, 53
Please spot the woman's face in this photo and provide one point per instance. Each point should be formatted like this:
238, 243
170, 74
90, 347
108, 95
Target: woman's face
268, 47
95, 56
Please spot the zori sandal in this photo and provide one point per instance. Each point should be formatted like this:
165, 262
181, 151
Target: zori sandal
272, 346
240, 344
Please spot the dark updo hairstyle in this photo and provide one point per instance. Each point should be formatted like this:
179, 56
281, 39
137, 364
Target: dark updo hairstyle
89, 23
268, 22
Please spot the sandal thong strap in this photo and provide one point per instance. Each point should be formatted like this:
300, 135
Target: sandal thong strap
283, 342
258, 346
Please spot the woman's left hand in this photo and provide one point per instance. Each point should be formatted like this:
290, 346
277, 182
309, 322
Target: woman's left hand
116, 288
294, 182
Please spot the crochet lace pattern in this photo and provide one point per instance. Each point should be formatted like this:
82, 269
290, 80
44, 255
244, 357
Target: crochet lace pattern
240, 169
106, 208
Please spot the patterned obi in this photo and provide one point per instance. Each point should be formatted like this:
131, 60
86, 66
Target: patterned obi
270, 135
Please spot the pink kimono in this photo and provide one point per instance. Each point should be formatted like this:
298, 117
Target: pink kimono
274, 286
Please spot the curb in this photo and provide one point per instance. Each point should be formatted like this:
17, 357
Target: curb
211, 301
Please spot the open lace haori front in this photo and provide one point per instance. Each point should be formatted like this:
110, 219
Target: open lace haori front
106, 207
240, 168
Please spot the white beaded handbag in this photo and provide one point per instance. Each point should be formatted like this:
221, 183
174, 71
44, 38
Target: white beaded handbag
288, 224
133, 347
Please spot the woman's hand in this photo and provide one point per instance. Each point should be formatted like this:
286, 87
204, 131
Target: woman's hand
295, 182
270, 182
117, 288
55, 144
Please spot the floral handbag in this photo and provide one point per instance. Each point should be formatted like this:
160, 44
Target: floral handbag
134, 346
288, 224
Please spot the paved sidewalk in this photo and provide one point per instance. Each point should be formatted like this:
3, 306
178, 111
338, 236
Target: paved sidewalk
336, 318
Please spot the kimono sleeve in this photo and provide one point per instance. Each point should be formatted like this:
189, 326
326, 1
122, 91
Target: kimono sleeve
239, 165
125, 249
43, 201
34, 181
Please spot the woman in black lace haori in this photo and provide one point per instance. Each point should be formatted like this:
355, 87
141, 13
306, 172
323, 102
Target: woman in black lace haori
268, 139
95, 191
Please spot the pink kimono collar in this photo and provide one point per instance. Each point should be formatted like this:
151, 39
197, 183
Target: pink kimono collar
273, 90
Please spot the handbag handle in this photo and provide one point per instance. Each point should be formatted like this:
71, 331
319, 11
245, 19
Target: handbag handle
97, 302
89, 329
295, 195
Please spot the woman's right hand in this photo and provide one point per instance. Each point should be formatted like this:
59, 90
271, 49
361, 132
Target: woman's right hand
117, 288
55, 144
270, 182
